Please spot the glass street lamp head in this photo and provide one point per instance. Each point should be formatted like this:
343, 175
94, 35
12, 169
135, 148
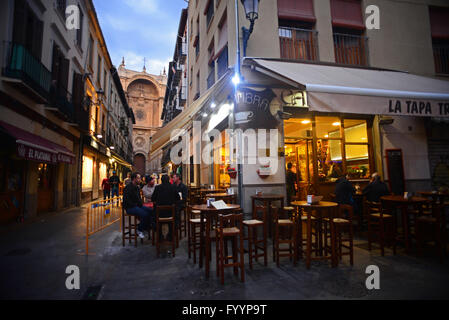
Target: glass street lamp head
251, 9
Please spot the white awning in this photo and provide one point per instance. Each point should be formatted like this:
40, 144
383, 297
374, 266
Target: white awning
361, 91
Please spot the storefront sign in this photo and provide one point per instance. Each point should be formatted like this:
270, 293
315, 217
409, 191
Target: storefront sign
35, 154
360, 104
65, 158
425, 108
253, 109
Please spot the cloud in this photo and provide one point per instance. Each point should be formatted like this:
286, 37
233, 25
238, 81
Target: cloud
143, 6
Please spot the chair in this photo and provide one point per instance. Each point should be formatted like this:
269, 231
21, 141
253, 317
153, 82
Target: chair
301, 240
170, 220
343, 225
129, 230
283, 219
381, 225
432, 228
230, 227
194, 232
253, 226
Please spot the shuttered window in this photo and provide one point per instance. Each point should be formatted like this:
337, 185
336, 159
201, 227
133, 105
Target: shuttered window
296, 10
439, 22
347, 14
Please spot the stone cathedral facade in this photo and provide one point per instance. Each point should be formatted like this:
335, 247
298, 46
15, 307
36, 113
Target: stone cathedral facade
145, 93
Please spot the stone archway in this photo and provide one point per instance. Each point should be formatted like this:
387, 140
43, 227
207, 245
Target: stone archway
140, 164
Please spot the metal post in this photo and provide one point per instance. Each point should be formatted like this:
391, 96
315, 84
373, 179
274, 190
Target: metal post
237, 72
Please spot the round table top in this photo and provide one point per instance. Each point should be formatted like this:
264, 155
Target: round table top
204, 207
212, 191
220, 195
401, 199
268, 196
433, 193
321, 204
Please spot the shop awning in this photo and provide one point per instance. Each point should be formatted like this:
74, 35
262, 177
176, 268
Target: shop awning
361, 91
35, 148
162, 137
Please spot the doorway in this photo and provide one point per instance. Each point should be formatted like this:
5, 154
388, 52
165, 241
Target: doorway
300, 155
45, 190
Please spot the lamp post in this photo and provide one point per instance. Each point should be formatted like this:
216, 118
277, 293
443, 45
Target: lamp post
252, 14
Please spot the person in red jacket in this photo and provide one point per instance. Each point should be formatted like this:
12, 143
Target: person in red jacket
106, 186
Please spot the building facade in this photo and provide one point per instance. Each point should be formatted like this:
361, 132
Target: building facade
145, 94
323, 138
53, 105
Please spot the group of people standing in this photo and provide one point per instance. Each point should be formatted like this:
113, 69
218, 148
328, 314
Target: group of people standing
169, 192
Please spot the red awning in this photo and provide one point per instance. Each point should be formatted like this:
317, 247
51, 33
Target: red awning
347, 14
35, 148
296, 10
439, 22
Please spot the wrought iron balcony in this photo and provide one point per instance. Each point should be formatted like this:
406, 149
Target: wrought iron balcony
20, 64
298, 44
351, 49
62, 104
183, 51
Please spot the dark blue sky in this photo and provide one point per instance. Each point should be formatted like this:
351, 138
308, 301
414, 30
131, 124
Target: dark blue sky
140, 28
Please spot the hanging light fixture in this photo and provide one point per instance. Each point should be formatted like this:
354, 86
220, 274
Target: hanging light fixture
252, 14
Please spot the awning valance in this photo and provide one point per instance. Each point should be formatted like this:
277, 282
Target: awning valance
361, 91
35, 148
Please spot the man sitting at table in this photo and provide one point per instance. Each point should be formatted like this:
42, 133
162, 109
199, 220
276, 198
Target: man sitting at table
165, 194
181, 189
376, 189
133, 205
344, 191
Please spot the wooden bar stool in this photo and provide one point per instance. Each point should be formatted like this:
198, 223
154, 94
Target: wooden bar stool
230, 227
301, 239
342, 226
381, 226
284, 220
194, 232
432, 228
129, 230
170, 220
253, 225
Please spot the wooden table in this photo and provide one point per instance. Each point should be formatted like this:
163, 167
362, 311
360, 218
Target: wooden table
320, 212
205, 218
441, 196
401, 203
267, 199
222, 196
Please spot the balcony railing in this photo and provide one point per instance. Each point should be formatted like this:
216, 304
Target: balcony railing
19, 63
183, 51
351, 49
298, 44
441, 58
61, 99
183, 95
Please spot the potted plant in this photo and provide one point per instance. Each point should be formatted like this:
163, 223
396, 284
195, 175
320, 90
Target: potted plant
231, 172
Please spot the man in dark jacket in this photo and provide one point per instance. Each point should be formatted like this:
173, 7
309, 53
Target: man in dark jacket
344, 191
132, 202
376, 189
182, 191
165, 194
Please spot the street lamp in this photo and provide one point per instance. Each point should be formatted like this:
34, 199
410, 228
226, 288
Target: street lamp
252, 14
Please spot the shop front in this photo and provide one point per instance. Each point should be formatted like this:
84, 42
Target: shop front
34, 174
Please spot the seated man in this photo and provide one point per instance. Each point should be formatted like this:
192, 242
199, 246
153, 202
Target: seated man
133, 204
376, 189
344, 191
182, 191
165, 195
